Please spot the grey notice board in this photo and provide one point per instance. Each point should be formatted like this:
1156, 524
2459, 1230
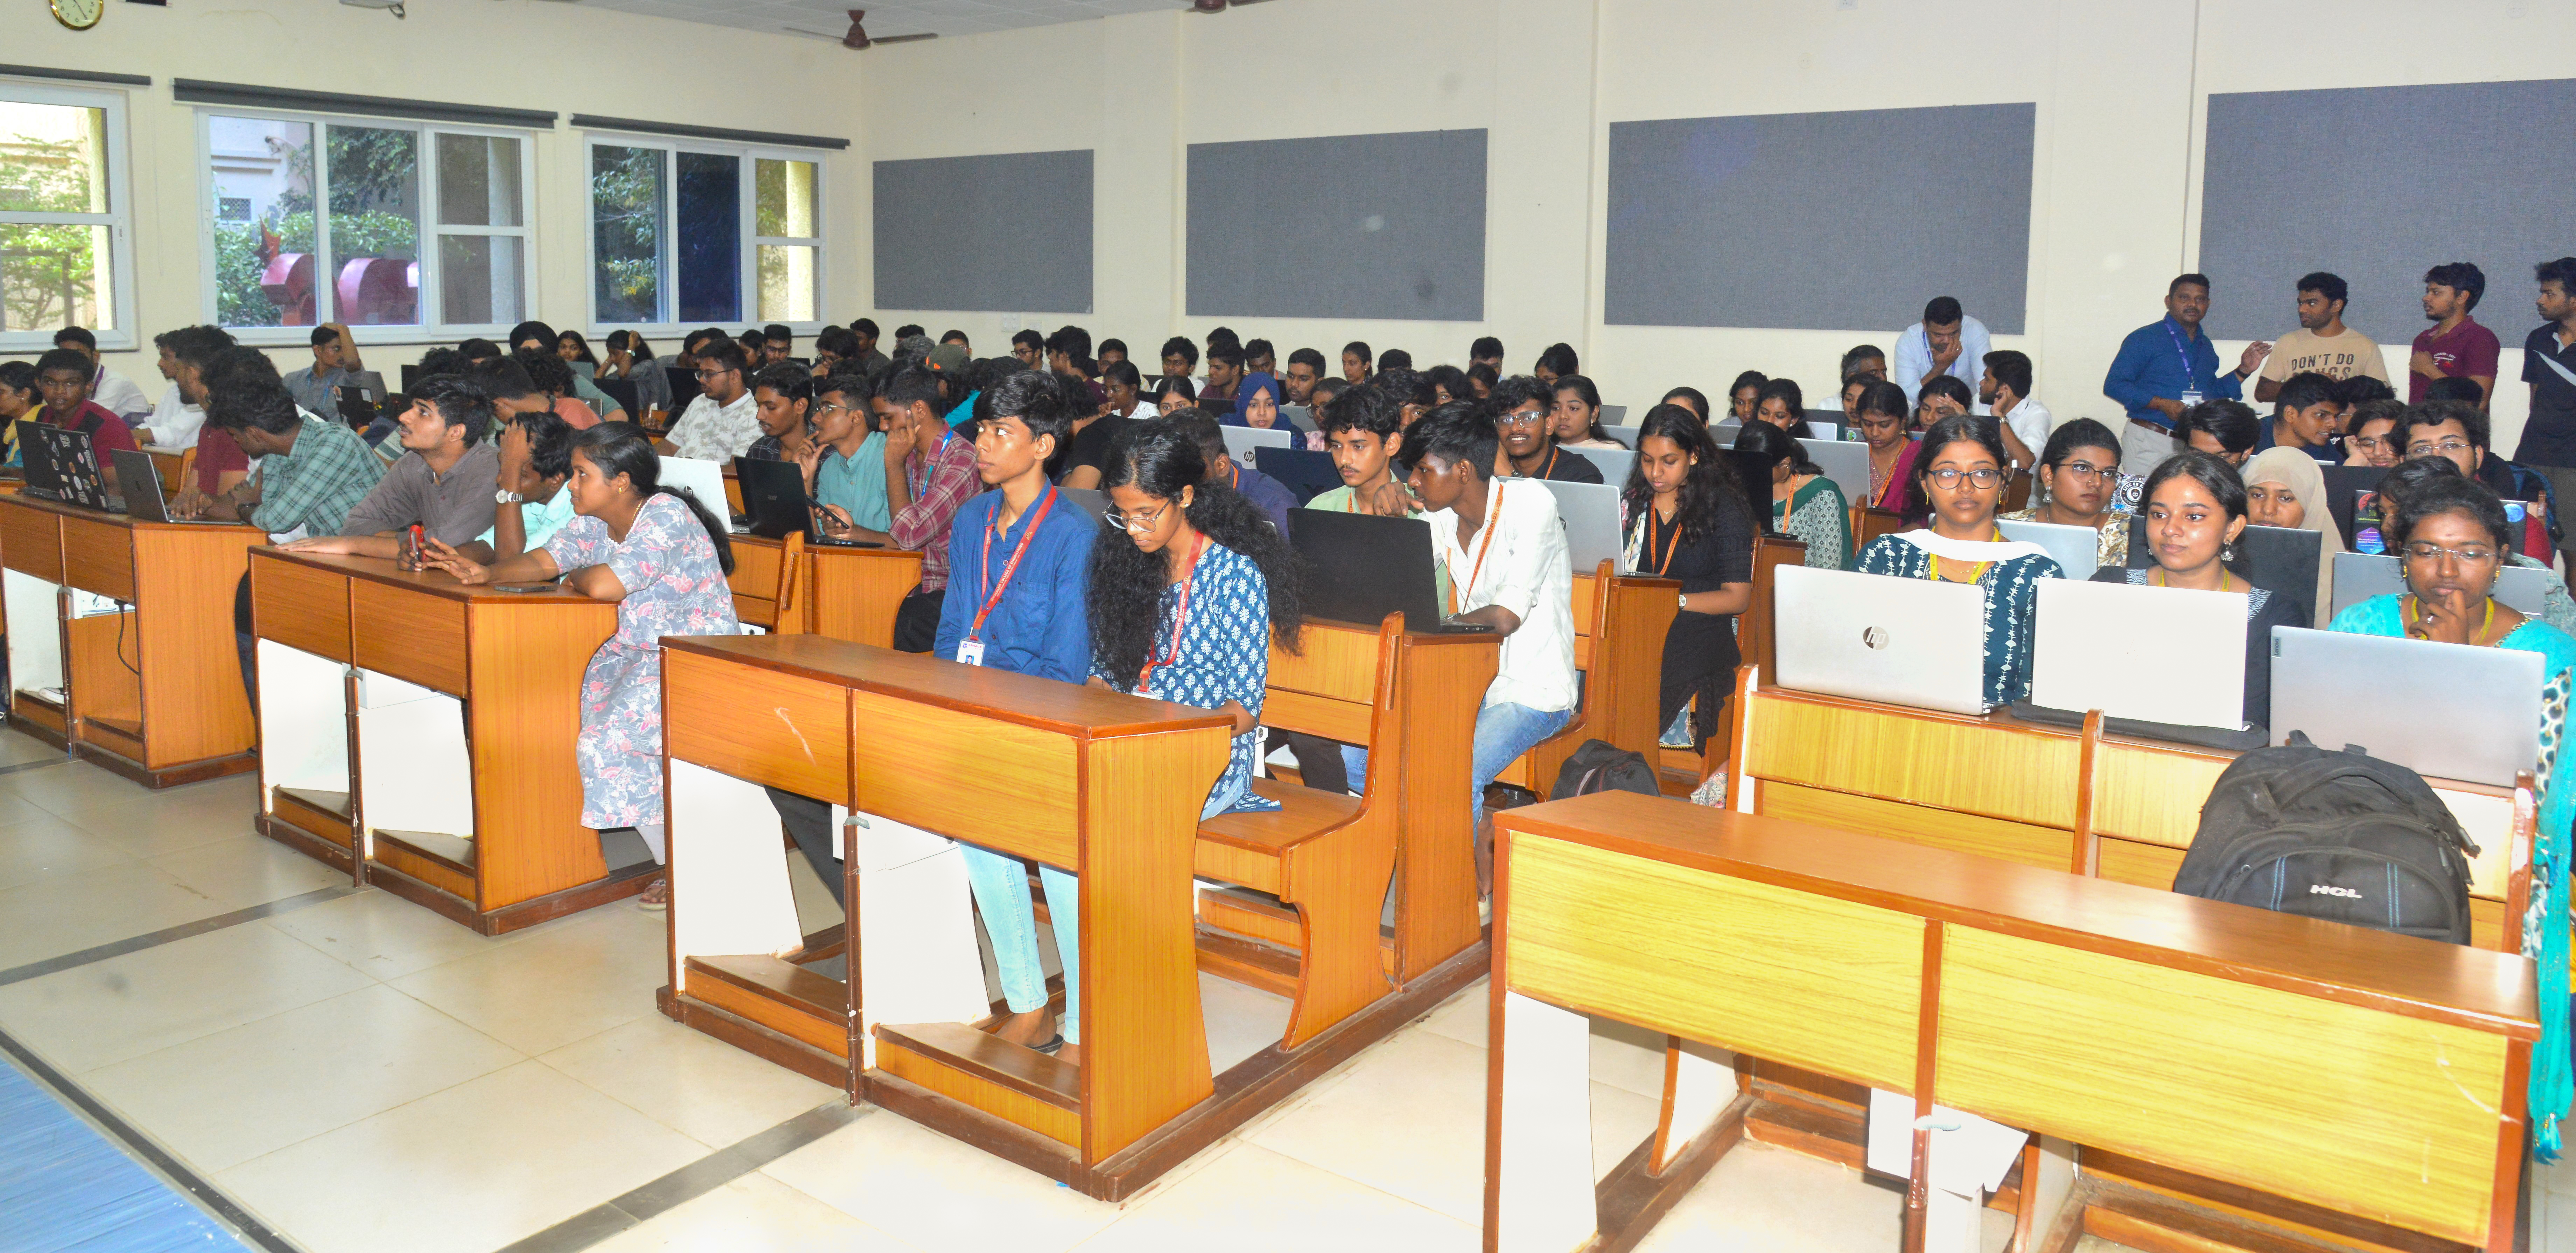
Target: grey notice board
2378, 185
1821, 221
1005, 234
1340, 226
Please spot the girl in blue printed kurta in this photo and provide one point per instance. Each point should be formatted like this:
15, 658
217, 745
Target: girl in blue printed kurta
662, 557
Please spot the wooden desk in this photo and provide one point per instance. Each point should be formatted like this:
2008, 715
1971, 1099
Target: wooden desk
153, 682
460, 707
849, 593
1107, 785
2322, 1076
1619, 626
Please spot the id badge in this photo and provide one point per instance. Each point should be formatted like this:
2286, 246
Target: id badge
970, 652
2191, 398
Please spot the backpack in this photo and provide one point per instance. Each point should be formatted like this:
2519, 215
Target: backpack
1599, 766
2341, 836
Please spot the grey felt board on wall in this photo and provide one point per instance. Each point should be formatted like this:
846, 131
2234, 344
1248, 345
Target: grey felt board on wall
1341, 226
1844, 221
2378, 185
1004, 234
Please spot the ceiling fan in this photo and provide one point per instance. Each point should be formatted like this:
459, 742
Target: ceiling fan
858, 37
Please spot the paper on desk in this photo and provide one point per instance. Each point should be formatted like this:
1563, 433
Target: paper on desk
1971, 1158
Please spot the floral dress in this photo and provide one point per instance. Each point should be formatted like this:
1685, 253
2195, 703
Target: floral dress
1223, 655
674, 586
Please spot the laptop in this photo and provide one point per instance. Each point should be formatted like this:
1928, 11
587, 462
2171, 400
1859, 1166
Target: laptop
1626, 435
140, 480
1611, 415
360, 406
1300, 416
1870, 637
704, 479
2111, 646
62, 466
1613, 463
2345, 486
684, 388
1308, 474
2286, 560
1241, 440
2448, 711
2360, 576
1847, 464
1590, 512
2076, 549
1361, 567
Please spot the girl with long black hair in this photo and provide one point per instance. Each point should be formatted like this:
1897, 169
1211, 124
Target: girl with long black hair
1688, 518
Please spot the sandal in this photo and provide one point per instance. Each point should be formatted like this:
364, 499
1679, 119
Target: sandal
655, 898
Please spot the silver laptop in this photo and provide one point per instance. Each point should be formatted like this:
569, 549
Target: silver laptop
1300, 416
1846, 464
2360, 576
139, 482
1591, 515
704, 479
1241, 440
2112, 647
1610, 415
2077, 549
1626, 435
1613, 463
1870, 637
2449, 711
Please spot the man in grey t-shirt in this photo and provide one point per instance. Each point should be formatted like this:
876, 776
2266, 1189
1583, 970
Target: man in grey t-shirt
445, 483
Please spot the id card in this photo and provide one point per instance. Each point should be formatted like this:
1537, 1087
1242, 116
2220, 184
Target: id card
970, 652
2191, 398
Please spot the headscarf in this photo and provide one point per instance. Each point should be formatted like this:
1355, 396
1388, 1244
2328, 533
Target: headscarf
1243, 392
2298, 471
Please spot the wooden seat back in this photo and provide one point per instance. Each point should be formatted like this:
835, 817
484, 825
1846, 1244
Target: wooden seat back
1619, 625
1868, 522
789, 615
1340, 685
1754, 634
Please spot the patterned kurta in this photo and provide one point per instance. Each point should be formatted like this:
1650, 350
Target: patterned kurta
1818, 514
674, 586
2010, 587
1224, 655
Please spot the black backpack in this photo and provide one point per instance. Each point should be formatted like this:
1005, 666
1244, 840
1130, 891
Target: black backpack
2336, 835
1599, 766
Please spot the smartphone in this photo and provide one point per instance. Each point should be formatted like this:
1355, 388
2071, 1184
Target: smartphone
411, 544
526, 587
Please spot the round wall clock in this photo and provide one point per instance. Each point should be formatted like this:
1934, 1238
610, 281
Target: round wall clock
78, 14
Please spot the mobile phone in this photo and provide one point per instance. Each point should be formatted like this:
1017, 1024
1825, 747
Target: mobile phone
411, 543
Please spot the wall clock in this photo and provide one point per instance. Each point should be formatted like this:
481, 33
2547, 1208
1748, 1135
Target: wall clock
78, 14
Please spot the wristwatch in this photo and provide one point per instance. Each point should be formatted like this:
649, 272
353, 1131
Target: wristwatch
507, 497
1683, 600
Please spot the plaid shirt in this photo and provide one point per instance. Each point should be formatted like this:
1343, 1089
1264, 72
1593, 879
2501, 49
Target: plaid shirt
922, 526
315, 484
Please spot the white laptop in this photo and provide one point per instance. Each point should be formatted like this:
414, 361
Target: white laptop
1846, 464
2156, 654
2449, 711
2360, 576
704, 479
2076, 549
1870, 637
1611, 414
1241, 440
1591, 515
1613, 463
1300, 416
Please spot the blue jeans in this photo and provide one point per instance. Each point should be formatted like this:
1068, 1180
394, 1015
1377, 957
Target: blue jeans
1503, 733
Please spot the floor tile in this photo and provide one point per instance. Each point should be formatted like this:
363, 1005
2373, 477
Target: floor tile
225, 1098
155, 823
66, 913
18, 748
124, 1007
552, 989
935, 1192
1253, 1200
389, 937
1241, 1020
40, 844
247, 870
689, 1081
1761, 1199
1463, 1017
753, 1214
79, 785
465, 1170
2558, 1177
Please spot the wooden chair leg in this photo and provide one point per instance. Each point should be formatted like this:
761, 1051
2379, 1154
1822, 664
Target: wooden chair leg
1341, 889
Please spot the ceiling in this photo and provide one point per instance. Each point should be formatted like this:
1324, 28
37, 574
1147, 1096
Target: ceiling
828, 18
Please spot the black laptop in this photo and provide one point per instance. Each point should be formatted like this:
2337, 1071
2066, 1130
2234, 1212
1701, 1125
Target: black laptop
2283, 560
62, 465
1308, 474
773, 493
1360, 568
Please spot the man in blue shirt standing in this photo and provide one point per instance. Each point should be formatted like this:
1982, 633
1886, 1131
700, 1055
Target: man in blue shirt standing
1019, 563
2166, 368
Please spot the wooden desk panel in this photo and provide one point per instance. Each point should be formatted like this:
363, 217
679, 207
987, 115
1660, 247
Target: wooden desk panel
99, 557
803, 745
755, 578
419, 639
526, 661
1924, 758
300, 607
193, 705
852, 593
31, 539
1026, 801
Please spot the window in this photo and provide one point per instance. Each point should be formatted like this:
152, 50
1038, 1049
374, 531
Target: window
64, 257
675, 231
324, 220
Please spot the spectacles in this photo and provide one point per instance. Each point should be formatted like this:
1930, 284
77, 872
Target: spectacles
704, 375
1137, 525
2087, 470
2448, 448
829, 407
1524, 419
2469, 555
1983, 477
2370, 443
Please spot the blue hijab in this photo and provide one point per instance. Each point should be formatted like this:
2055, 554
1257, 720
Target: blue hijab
1254, 382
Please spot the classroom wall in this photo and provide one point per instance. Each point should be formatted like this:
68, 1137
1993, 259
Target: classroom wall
507, 53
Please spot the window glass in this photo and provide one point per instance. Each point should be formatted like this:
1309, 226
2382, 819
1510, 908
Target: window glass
787, 279
710, 237
59, 216
479, 278
478, 181
266, 273
374, 249
626, 233
786, 204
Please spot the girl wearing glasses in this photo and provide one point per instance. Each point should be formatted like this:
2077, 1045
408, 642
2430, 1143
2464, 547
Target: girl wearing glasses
2079, 469
2196, 511
1962, 473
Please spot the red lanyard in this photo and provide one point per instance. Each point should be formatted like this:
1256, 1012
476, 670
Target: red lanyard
1180, 618
1458, 594
976, 632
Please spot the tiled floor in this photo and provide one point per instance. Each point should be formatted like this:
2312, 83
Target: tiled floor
366, 1077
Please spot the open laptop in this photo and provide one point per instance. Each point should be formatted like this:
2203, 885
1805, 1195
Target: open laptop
63, 466
1846, 464
1305, 473
1870, 637
2360, 576
1301, 417
140, 481
2076, 549
2111, 646
2449, 711
1241, 440
2286, 560
704, 479
1613, 463
1361, 567
1590, 512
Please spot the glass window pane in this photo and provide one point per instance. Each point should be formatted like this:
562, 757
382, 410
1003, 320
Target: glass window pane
53, 276
787, 283
478, 181
626, 233
53, 158
710, 237
481, 279
374, 174
786, 192
265, 270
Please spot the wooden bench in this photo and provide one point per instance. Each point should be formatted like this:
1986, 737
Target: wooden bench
1619, 625
846, 593
1682, 769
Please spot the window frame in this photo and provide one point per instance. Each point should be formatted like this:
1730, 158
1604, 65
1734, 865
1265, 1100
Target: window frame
747, 268
118, 219
432, 328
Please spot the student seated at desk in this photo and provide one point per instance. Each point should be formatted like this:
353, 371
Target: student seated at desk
930, 473
782, 400
1174, 394
663, 558
2370, 433
2078, 468
1782, 404
1882, 415
1266, 494
1941, 396
181, 413
513, 387
846, 463
720, 424
1962, 475
1804, 503
2196, 511
631, 359
529, 503
1690, 398
1526, 435
1575, 419
444, 483
1688, 518
2458, 431
2225, 429
18, 399
1364, 434
2284, 488
62, 378
541, 340
554, 380
1256, 402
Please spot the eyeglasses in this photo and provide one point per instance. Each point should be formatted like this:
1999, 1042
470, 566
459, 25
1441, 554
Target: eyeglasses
2371, 443
1524, 419
1138, 525
2448, 448
2467, 555
1983, 477
704, 375
825, 407
2087, 470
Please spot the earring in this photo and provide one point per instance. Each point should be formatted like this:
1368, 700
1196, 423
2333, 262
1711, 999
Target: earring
2227, 552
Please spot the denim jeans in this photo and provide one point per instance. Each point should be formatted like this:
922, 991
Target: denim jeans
1503, 733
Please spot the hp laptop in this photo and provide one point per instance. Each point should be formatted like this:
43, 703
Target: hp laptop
140, 480
2446, 710
1240, 441
2111, 646
1360, 568
1899, 641
1590, 512
2074, 548
2360, 576
62, 466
